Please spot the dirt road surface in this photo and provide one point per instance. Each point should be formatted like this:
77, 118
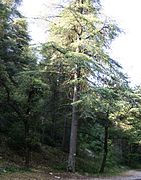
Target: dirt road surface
129, 175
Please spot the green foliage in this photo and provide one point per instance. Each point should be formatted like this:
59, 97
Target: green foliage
87, 166
13, 169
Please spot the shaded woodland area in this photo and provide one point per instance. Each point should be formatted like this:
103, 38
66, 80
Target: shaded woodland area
66, 104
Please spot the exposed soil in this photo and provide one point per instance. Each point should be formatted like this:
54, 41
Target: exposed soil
129, 175
42, 166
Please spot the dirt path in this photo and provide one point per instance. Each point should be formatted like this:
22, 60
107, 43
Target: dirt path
129, 175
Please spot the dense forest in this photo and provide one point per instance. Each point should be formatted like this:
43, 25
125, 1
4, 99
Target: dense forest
66, 104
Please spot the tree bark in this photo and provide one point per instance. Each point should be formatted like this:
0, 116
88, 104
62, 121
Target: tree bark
53, 111
27, 148
64, 140
26, 121
73, 137
105, 152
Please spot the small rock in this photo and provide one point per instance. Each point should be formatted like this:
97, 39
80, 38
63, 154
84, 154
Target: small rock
4, 171
57, 177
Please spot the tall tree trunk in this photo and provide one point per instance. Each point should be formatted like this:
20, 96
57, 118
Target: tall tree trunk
105, 152
27, 147
73, 137
53, 112
26, 121
74, 124
64, 140
54, 106
43, 132
76, 93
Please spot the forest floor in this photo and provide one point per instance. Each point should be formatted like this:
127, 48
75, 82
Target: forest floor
38, 175
48, 164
